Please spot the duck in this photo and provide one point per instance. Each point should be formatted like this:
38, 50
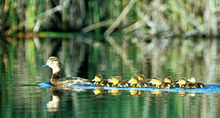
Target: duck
181, 83
156, 83
114, 81
167, 83
99, 81
192, 83
56, 80
133, 81
141, 81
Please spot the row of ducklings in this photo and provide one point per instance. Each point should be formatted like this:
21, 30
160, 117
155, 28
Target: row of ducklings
140, 81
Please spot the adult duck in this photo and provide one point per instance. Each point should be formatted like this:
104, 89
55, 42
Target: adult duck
56, 80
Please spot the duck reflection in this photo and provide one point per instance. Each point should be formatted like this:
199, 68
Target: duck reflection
191, 94
156, 92
114, 92
133, 92
98, 91
53, 105
182, 93
136, 92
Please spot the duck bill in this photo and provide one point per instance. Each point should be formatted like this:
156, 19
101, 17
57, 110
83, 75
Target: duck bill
44, 65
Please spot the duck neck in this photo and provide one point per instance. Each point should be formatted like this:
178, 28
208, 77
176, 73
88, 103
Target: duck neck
55, 76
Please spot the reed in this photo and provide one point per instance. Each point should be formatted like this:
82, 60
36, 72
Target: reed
188, 18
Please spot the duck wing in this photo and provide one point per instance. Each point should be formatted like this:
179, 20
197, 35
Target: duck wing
76, 80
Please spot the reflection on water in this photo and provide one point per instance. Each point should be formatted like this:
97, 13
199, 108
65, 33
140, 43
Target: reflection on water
20, 73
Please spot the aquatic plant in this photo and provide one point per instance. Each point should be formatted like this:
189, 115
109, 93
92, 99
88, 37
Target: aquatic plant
140, 17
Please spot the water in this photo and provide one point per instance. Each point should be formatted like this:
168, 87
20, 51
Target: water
20, 72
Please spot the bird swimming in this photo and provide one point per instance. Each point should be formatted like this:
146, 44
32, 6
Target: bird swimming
56, 80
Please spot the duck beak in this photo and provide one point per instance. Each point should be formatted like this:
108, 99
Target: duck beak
44, 65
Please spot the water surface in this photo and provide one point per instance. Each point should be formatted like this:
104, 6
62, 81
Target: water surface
20, 72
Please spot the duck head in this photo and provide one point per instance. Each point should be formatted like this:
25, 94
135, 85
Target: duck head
153, 80
133, 80
115, 80
54, 64
182, 81
167, 79
192, 80
97, 78
158, 82
141, 77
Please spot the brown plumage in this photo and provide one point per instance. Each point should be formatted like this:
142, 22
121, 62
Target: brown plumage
56, 80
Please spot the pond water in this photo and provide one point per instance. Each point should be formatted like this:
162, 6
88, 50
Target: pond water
20, 72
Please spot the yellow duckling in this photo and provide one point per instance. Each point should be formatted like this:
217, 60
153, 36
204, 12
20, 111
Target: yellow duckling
56, 80
114, 80
155, 82
152, 81
192, 83
181, 83
98, 81
133, 81
167, 84
141, 81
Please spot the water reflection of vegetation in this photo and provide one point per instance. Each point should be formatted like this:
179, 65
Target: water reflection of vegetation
19, 60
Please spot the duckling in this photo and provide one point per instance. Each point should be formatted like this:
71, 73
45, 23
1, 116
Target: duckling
98, 81
142, 82
156, 83
167, 84
193, 83
152, 81
114, 80
181, 83
56, 80
133, 81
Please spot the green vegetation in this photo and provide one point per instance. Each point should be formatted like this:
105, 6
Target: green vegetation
140, 17
20, 73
